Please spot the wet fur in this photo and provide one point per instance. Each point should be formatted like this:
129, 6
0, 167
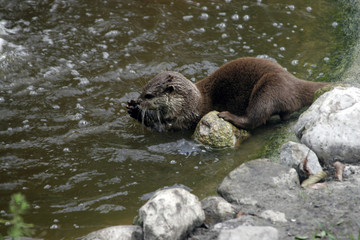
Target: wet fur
246, 92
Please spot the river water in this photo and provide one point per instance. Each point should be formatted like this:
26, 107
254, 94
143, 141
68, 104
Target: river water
67, 69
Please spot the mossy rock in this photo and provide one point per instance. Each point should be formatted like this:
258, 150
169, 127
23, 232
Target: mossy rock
216, 132
328, 88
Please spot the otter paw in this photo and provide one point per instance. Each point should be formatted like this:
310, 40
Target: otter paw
133, 109
225, 115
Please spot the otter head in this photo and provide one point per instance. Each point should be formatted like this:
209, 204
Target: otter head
169, 101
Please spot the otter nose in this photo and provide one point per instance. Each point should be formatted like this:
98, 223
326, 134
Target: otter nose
149, 96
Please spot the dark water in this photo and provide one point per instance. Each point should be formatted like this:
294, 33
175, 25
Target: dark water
68, 67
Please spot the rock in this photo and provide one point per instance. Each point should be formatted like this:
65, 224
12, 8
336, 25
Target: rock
328, 88
330, 127
249, 233
171, 214
300, 157
274, 216
216, 132
217, 210
267, 178
129, 232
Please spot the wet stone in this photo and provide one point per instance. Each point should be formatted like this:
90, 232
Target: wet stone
216, 132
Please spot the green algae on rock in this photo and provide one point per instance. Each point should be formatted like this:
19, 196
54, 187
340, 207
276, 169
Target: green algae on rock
328, 88
216, 132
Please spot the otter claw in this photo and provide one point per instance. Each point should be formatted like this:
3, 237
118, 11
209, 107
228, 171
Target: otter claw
224, 115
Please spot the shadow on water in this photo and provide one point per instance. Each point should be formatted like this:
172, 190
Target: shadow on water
67, 68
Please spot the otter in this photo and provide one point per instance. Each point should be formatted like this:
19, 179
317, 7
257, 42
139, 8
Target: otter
246, 92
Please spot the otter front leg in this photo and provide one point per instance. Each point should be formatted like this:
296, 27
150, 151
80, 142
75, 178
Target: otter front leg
239, 121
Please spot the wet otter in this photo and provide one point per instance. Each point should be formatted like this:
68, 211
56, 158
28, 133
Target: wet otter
246, 92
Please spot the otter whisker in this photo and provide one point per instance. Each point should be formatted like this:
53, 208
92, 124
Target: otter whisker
143, 112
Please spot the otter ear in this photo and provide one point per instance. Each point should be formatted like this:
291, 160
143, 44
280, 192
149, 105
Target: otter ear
169, 89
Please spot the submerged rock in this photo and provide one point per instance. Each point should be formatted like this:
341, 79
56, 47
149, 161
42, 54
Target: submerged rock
171, 214
216, 132
330, 127
116, 233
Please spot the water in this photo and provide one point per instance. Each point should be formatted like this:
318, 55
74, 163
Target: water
67, 69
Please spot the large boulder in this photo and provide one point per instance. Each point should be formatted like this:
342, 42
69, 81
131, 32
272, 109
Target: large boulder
129, 232
216, 132
330, 127
171, 214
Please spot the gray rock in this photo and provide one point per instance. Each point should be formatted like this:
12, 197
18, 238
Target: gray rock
216, 132
330, 127
269, 195
249, 233
171, 214
300, 157
129, 232
255, 182
217, 210
274, 216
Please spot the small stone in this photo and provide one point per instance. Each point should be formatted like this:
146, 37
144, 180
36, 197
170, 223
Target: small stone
274, 216
217, 210
216, 132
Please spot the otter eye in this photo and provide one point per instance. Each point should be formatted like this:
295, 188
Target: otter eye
169, 89
149, 96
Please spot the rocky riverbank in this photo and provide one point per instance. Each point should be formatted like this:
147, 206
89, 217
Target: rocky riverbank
261, 199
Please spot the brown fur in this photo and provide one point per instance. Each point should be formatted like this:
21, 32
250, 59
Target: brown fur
246, 92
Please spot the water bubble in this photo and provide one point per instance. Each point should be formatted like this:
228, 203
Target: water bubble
294, 62
204, 16
83, 123
222, 26
235, 17
308, 9
172, 162
78, 106
105, 55
228, 1
282, 49
240, 26
334, 24
2, 99
204, 8
54, 226
188, 17
224, 35
67, 150
291, 7
83, 81
47, 186
326, 59
196, 167
55, 106
75, 225
246, 18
